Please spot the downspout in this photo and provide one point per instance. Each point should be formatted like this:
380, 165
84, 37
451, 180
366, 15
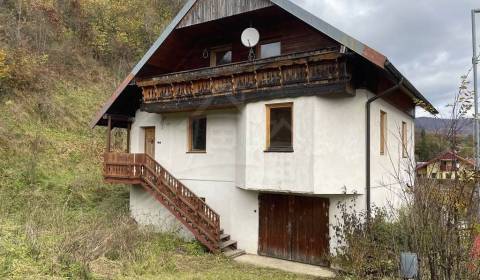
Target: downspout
368, 142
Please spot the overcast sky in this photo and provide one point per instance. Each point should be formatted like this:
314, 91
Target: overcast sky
429, 41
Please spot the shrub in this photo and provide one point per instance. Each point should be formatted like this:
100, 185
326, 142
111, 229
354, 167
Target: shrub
367, 250
438, 222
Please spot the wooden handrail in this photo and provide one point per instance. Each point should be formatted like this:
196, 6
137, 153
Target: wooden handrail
182, 190
142, 167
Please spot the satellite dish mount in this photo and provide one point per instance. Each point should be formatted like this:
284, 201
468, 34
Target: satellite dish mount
250, 39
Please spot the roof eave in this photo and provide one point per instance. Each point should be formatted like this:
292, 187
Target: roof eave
421, 100
170, 28
351, 43
356, 46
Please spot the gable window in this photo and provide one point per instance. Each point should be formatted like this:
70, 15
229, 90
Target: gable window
270, 49
404, 140
280, 127
383, 132
443, 165
197, 137
221, 56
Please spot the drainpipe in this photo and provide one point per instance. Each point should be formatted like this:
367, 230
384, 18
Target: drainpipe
368, 142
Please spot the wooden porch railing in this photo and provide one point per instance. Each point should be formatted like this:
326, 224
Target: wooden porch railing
272, 74
188, 208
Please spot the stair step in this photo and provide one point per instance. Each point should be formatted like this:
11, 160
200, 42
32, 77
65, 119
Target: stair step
224, 237
228, 243
182, 203
233, 253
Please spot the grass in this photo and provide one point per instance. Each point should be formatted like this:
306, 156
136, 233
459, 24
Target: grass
58, 220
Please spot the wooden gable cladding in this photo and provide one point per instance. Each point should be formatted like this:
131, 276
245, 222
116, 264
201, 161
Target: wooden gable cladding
299, 74
185, 48
209, 10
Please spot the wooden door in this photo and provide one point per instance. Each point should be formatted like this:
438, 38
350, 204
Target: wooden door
150, 141
273, 225
294, 228
310, 230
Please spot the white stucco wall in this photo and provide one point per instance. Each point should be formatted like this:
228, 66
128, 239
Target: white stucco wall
329, 147
278, 172
392, 168
210, 175
328, 159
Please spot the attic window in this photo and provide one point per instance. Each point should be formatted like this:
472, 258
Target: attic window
221, 56
270, 49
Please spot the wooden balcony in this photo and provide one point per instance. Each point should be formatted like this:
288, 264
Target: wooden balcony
311, 73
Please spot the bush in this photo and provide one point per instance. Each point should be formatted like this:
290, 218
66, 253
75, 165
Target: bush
22, 71
438, 222
367, 250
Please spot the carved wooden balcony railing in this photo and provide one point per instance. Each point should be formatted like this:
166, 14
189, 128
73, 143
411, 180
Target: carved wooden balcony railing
239, 82
188, 208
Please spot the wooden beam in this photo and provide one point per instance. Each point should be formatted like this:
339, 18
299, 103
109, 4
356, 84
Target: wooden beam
109, 134
120, 118
129, 128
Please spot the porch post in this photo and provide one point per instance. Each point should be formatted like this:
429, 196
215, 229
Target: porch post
109, 134
129, 128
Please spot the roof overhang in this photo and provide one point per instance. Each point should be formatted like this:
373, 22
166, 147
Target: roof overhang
420, 100
351, 43
170, 28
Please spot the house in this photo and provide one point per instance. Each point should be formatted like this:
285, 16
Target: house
250, 146
447, 165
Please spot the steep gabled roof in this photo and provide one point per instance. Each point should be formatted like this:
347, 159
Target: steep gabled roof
354, 45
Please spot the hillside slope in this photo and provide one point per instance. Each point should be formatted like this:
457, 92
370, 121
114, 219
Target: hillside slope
59, 60
436, 125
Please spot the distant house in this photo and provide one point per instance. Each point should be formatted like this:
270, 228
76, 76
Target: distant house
253, 146
447, 165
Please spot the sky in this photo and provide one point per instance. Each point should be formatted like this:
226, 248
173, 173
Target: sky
429, 41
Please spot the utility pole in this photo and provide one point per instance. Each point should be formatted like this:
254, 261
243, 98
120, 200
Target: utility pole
475, 62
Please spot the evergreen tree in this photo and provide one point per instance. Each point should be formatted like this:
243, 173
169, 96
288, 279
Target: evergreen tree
422, 150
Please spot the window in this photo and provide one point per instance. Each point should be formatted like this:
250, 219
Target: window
434, 175
383, 132
443, 165
279, 127
404, 140
197, 134
221, 56
270, 49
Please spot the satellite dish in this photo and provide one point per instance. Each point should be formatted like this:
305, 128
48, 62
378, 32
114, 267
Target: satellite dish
250, 37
